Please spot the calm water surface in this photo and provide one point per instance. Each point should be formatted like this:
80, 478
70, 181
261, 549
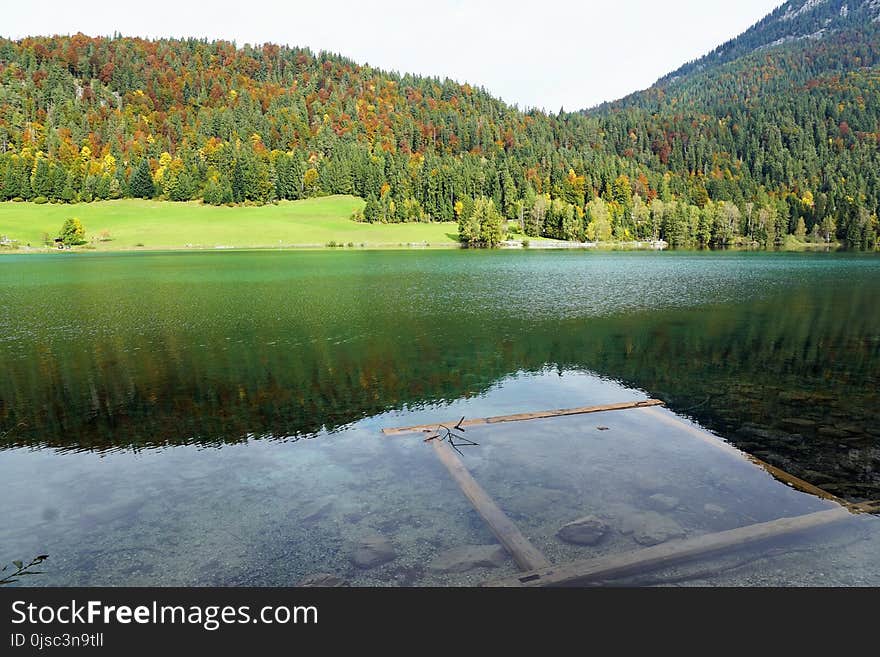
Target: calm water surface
213, 418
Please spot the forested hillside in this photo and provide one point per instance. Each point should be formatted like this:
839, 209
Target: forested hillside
789, 111
774, 134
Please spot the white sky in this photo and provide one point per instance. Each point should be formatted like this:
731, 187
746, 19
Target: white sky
535, 54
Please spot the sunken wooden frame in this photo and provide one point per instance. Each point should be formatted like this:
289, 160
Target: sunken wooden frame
519, 417
537, 569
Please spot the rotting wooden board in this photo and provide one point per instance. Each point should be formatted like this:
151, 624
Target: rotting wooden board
708, 438
519, 417
526, 555
638, 561
872, 506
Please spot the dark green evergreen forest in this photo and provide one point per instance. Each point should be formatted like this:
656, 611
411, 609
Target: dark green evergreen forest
772, 137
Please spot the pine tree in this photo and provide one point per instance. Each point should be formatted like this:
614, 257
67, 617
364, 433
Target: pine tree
469, 227
69, 193
491, 230
41, 180
59, 182
142, 185
238, 183
213, 194
372, 210
509, 195
9, 184
288, 176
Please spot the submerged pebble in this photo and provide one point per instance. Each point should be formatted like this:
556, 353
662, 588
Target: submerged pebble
468, 557
588, 530
373, 550
316, 509
651, 528
323, 580
661, 502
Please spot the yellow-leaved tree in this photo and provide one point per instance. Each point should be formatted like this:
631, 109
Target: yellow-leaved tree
73, 232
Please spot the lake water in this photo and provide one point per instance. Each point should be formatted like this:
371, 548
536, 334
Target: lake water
214, 418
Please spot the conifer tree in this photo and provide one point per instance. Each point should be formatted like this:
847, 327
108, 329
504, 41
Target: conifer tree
372, 210
41, 181
142, 185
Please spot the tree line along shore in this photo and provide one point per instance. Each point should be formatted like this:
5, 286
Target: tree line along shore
326, 222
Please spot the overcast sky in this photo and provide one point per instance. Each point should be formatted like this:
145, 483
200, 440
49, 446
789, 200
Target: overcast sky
550, 54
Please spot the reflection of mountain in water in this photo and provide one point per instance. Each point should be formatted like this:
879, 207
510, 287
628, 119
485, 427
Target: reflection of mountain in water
791, 378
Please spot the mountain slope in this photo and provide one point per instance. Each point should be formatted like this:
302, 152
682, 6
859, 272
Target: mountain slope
799, 41
797, 20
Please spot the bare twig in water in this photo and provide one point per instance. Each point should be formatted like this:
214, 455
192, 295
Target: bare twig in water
444, 433
21, 569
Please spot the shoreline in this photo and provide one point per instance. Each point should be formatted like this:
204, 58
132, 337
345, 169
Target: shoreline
539, 245
321, 223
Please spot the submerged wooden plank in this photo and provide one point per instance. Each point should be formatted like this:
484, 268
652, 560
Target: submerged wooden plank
421, 428
526, 555
708, 438
651, 558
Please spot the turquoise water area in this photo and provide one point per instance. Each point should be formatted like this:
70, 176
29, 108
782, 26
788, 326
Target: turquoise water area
214, 419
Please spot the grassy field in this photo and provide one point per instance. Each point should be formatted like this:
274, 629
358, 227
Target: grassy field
138, 224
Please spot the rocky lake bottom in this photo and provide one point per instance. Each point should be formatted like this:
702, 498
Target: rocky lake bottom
360, 508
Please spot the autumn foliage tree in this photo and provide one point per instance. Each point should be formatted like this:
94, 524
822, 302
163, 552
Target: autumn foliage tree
73, 233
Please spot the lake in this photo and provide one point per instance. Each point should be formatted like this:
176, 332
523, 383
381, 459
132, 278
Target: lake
214, 418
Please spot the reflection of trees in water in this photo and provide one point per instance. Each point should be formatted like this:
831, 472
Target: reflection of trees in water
793, 379
119, 395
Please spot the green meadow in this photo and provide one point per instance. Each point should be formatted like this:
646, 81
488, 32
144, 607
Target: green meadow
139, 224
